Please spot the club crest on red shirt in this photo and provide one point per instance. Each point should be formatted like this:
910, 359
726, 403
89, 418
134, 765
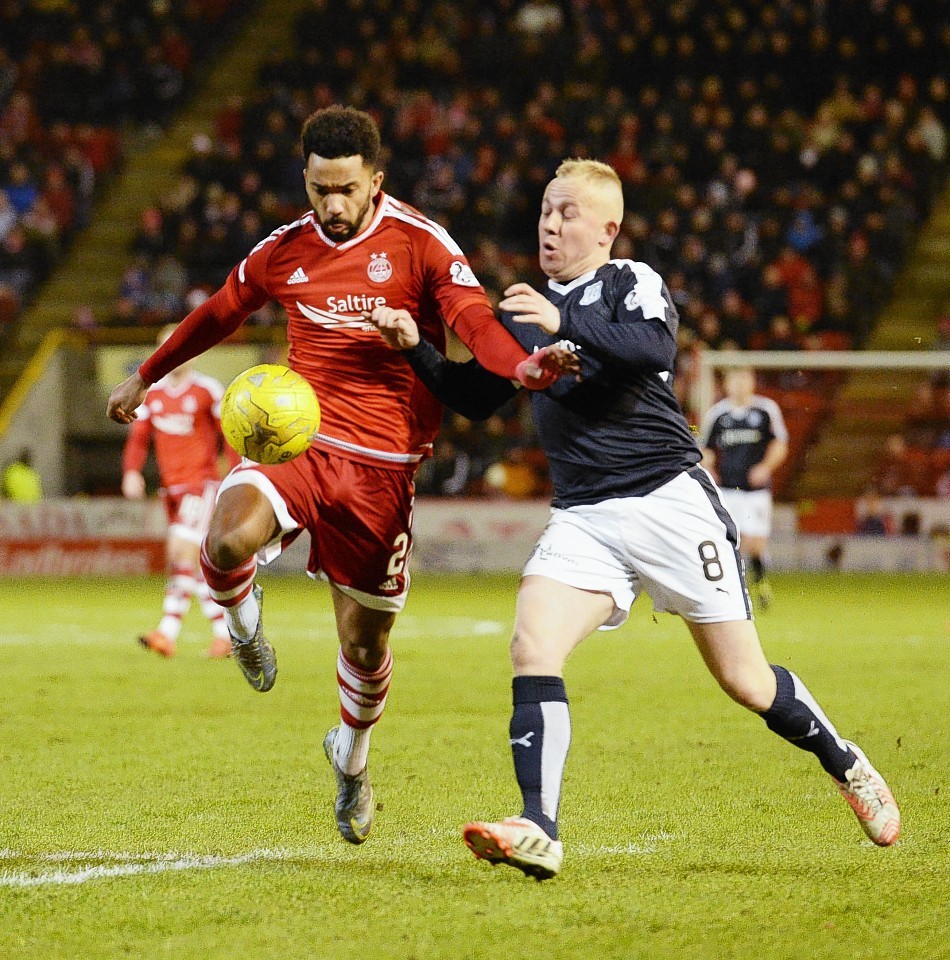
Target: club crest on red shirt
379, 269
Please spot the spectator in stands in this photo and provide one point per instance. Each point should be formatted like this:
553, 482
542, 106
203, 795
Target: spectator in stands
8, 216
446, 473
925, 420
727, 146
21, 189
735, 319
872, 520
59, 197
862, 278
781, 335
22, 261
804, 233
800, 279
894, 474
70, 76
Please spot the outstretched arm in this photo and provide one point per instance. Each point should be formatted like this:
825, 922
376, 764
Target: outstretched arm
205, 326
467, 388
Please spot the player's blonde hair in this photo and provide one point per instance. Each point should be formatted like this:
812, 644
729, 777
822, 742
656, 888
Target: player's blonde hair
601, 177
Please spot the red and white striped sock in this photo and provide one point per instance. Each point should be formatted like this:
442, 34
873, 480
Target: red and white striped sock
233, 590
178, 590
212, 610
362, 699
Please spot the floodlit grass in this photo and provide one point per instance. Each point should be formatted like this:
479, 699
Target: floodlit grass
158, 808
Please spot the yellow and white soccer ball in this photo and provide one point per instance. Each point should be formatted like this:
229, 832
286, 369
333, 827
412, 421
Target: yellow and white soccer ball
270, 414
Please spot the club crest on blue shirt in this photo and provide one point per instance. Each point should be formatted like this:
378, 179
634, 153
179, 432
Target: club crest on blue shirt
592, 293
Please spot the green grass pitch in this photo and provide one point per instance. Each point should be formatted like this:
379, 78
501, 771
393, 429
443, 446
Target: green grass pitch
158, 808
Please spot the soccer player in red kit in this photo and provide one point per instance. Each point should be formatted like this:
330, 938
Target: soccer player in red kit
356, 251
181, 419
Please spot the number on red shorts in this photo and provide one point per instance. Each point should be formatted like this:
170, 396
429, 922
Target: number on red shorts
398, 560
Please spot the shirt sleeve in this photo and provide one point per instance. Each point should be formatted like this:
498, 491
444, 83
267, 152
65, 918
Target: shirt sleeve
642, 332
493, 346
135, 451
777, 425
467, 388
218, 317
465, 306
708, 434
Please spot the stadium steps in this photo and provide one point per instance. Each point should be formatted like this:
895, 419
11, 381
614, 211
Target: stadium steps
873, 403
90, 273
866, 410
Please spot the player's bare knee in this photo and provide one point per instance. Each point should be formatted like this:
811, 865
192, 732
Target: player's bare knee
748, 690
367, 656
243, 521
231, 540
531, 655
364, 632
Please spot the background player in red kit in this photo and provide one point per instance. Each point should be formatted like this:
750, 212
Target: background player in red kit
357, 250
181, 419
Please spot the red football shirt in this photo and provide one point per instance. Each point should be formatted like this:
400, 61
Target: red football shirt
372, 404
183, 421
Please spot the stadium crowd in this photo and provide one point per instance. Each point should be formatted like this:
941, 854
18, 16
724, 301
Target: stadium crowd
75, 75
777, 157
777, 160
916, 460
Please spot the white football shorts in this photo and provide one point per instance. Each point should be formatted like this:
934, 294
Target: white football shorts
751, 509
678, 544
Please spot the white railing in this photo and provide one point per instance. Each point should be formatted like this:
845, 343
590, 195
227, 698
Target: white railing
703, 392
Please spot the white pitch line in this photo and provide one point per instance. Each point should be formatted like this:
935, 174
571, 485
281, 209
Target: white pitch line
134, 865
126, 864
84, 856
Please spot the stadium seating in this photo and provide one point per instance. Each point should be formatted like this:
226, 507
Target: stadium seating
724, 177
775, 170
75, 80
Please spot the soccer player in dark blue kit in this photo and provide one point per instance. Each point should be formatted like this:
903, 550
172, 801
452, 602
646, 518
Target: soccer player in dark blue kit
744, 438
633, 511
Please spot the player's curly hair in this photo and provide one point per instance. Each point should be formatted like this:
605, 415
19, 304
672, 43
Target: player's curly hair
341, 132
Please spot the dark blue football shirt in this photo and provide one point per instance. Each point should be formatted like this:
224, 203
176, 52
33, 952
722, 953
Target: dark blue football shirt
620, 431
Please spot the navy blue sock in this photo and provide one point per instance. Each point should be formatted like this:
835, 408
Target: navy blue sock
796, 716
540, 732
758, 569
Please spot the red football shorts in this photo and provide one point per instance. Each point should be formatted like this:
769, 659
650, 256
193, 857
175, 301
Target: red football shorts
358, 516
189, 509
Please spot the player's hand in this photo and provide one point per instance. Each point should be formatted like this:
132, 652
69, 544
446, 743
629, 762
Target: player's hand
397, 327
544, 366
528, 306
759, 475
133, 485
126, 398
562, 358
